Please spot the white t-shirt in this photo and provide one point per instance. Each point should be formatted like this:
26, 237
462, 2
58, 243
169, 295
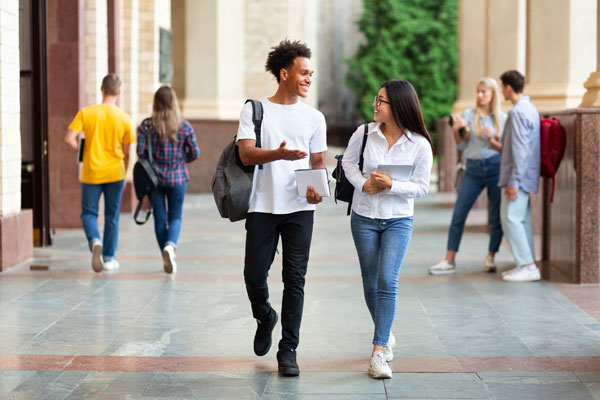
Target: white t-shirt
274, 188
397, 202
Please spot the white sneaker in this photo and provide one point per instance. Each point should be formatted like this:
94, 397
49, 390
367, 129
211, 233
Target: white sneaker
388, 354
111, 265
442, 268
510, 271
97, 263
168, 254
391, 340
523, 274
489, 264
378, 368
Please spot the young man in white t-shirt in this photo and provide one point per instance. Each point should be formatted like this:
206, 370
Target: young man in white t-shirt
293, 136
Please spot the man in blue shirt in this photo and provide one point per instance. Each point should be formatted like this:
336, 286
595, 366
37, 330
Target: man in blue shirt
519, 176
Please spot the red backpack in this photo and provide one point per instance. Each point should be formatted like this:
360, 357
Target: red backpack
553, 142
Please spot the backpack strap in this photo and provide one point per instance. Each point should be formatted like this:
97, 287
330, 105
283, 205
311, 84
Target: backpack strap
257, 118
361, 160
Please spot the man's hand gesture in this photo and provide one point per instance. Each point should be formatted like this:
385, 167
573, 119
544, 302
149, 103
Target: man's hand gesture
290, 155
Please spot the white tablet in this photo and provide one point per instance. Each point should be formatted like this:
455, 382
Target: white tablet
400, 173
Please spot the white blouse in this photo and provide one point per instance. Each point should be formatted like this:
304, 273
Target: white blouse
398, 201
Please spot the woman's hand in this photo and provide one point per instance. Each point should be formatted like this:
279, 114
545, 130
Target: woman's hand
381, 180
372, 187
459, 122
486, 132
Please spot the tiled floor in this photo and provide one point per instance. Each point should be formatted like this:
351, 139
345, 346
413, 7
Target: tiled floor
139, 334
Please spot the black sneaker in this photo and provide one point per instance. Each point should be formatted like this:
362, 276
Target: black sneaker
287, 363
262, 338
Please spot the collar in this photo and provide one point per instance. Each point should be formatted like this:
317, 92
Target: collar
377, 128
522, 98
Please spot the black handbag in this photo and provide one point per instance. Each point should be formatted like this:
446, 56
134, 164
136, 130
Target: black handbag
344, 190
145, 183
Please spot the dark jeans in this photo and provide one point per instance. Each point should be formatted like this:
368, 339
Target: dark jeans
168, 208
262, 235
90, 198
480, 174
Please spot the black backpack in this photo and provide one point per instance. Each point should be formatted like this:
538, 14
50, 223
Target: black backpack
232, 182
344, 190
145, 182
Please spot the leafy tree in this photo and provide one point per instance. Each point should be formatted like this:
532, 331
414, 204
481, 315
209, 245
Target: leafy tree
414, 40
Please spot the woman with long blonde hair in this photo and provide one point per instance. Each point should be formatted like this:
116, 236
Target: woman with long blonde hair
173, 144
477, 134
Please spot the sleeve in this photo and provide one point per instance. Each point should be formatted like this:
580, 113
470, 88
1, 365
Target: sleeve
142, 136
246, 126
418, 185
192, 151
129, 135
77, 123
318, 141
467, 115
521, 128
503, 117
351, 158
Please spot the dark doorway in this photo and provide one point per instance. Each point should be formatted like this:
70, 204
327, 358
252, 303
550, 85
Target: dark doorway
34, 130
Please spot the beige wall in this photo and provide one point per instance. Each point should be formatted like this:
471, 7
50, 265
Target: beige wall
220, 52
10, 137
552, 42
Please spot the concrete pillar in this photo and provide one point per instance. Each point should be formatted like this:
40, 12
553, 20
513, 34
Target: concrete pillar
96, 38
492, 39
212, 71
472, 50
561, 51
592, 96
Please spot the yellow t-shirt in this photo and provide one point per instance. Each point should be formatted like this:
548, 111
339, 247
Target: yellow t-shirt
106, 129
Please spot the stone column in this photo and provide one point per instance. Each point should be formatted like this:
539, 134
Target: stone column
561, 51
96, 39
66, 95
471, 49
212, 70
16, 225
592, 96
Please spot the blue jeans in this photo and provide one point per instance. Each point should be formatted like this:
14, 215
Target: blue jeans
516, 221
381, 245
168, 208
480, 174
90, 198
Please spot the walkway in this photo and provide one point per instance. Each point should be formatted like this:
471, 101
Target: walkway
66, 332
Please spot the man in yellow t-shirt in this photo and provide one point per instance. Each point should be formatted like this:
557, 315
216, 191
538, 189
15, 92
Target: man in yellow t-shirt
108, 134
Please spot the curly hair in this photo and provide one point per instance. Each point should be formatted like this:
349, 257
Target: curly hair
283, 56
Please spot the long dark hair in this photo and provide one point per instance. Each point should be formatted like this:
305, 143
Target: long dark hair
166, 116
406, 108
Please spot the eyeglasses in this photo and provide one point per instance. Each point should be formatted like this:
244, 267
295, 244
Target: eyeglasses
378, 100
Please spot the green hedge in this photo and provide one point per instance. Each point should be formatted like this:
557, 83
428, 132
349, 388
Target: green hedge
414, 40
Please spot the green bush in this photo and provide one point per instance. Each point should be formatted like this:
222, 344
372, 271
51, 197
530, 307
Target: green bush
414, 40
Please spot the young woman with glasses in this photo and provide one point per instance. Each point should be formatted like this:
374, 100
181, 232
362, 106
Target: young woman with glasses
382, 208
477, 134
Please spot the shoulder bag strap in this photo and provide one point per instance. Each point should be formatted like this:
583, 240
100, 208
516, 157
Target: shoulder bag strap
362, 150
257, 117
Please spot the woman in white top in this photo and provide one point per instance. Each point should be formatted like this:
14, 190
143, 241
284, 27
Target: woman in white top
382, 208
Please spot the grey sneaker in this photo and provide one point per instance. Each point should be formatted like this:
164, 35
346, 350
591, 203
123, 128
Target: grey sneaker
97, 263
489, 264
378, 367
442, 268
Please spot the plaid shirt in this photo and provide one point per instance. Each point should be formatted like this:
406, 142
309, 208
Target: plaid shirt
169, 158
